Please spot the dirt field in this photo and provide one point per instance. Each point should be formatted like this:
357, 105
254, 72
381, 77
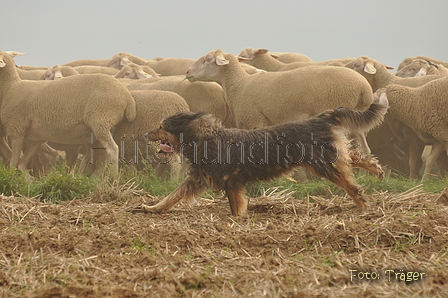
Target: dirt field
315, 247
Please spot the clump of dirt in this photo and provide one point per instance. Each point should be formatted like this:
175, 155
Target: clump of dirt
315, 247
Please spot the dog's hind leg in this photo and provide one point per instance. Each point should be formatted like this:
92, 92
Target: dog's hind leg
187, 190
237, 200
342, 176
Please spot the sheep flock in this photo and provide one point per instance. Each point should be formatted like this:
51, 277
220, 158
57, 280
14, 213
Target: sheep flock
93, 113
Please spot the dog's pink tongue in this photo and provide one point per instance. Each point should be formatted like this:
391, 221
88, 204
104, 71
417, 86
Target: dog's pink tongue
166, 148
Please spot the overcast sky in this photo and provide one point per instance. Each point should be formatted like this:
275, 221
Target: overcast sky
55, 32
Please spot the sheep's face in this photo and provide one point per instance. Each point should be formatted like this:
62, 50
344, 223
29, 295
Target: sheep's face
132, 71
416, 68
208, 68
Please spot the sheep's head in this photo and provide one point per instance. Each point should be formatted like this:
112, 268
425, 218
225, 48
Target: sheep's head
132, 71
366, 65
208, 67
362, 64
417, 67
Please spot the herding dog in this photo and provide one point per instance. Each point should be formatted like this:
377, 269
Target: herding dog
228, 158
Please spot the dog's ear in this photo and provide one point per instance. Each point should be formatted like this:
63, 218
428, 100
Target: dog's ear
204, 120
178, 122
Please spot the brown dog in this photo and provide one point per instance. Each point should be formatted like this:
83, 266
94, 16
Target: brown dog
226, 159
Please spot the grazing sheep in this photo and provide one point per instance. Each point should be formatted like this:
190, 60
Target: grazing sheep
420, 67
276, 97
424, 110
260, 58
164, 67
201, 96
58, 72
409, 60
68, 111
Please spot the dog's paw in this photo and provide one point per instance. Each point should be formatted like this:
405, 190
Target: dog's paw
143, 209
149, 209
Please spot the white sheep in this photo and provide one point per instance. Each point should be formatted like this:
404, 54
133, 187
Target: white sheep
200, 96
134, 71
409, 60
34, 74
68, 111
57, 72
378, 75
282, 57
291, 57
260, 58
419, 67
424, 109
276, 97
87, 69
81, 62
152, 107
164, 67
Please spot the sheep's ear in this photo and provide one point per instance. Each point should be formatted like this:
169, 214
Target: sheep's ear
125, 61
243, 59
220, 60
14, 53
261, 51
421, 72
369, 68
274, 56
58, 75
389, 67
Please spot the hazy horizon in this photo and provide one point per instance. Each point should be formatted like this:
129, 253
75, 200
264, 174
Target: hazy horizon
56, 32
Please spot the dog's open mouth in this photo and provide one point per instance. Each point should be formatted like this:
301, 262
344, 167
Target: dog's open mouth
165, 147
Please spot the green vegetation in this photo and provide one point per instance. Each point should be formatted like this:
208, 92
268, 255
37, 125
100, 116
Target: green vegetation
63, 184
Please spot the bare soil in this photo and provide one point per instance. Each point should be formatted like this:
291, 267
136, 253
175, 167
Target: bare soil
315, 247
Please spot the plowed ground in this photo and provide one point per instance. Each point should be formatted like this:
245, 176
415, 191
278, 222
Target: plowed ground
285, 247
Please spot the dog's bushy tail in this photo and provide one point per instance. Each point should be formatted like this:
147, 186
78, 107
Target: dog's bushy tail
356, 121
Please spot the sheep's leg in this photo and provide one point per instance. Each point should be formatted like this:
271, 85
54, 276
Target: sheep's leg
187, 190
237, 200
5, 150
361, 138
16, 150
107, 142
30, 151
416, 148
436, 150
71, 155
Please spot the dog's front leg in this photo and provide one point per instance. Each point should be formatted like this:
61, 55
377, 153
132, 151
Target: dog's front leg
187, 190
